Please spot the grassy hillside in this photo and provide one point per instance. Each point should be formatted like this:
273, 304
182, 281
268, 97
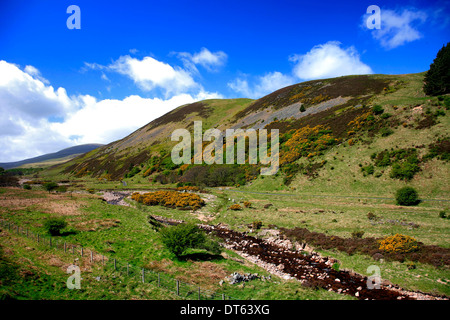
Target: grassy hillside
329, 130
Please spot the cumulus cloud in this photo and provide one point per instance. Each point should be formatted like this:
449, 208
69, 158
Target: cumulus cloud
150, 73
327, 61
322, 61
26, 97
262, 86
399, 28
27, 106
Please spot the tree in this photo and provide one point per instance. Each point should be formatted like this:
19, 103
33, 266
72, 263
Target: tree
437, 79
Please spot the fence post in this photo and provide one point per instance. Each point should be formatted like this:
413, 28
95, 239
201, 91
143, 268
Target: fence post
65, 246
199, 293
81, 251
143, 275
178, 287
115, 264
92, 256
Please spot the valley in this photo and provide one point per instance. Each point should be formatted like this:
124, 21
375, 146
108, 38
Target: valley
315, 229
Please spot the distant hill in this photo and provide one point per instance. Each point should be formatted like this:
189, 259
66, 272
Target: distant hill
52, 158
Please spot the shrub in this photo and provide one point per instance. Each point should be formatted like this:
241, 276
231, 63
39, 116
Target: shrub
235, 207
179, 238
357, 234
404, 171
171, 199
247, 204
371, 216
398, 243
386, 131
54, 226
27, 187
407, 196
377, 109
49, 186
256, 225
368, 170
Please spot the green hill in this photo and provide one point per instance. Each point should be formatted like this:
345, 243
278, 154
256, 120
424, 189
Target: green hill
333, 133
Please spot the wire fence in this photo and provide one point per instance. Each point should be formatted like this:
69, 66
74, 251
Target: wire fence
147, 276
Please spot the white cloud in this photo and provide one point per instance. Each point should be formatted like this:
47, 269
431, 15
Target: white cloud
150, 73
398, 28
264, 84
322, 61
27, 106
26, 97
327, 61
211, 61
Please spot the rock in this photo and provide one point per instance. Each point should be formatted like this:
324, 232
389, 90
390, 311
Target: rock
337, 280
357, 294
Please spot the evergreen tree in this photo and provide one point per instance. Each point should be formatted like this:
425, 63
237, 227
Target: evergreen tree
437, 79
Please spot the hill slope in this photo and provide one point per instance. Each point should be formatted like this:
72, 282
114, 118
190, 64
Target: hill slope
321, 123
65, 154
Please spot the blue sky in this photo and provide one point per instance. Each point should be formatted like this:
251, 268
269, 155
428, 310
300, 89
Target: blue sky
61, 87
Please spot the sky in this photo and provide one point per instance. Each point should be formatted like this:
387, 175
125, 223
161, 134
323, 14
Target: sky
97, 73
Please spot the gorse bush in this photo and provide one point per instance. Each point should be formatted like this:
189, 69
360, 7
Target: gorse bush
171, 199
235, 207
407, 196
399, 243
